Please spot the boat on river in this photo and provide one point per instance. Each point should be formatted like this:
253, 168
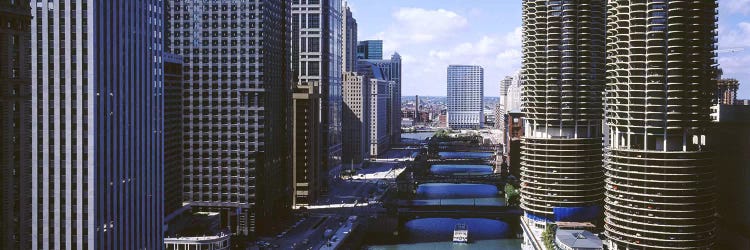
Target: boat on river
461, 233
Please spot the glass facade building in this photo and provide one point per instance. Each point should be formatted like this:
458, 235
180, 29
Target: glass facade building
97, 128
317, 28
370, 50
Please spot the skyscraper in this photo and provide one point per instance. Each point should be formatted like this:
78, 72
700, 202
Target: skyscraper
173, 139
15, 125
317, 33
394, 130
370, 50
350, 40
465, 96
379, 98
500, 107
390, 71
97, 127
660, 188
237, 96
564, 69
356, 91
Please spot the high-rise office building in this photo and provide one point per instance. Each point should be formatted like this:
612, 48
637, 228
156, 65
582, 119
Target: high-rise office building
237, 96
465, 97
97, 127
514, 100
307, 171
15, 125
500, 107
318, 57
660, 189
370, 50
504, 86
379, 91
350, 40
356, 91
394, 128
173, 145
390, 71
564, 69
379, 98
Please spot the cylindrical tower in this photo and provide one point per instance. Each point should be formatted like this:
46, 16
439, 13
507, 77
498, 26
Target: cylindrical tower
564, 70
660, 83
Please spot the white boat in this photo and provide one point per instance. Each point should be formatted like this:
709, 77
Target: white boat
461, 233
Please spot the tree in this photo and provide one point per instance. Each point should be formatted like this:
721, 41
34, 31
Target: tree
548, 236
512, 195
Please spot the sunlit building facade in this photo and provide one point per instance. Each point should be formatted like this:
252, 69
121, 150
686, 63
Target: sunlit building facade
661, 80
465, 97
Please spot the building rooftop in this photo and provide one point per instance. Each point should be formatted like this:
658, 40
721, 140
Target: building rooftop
577, 239
574, 225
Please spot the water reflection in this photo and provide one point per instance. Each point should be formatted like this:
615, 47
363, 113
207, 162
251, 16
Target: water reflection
465, 155
441, 229
461, 169
417, 136
437, 233
449, 190
458, 194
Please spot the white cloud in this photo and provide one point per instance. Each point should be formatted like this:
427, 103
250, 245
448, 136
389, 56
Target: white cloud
419, 26
736, 6
499, 54
492, 52
735, 36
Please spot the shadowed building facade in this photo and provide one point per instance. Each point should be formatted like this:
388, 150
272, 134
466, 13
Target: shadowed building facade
237, 98
307, 171
15, 125
97, 124
317, 42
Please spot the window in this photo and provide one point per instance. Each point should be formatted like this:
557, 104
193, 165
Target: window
313, 21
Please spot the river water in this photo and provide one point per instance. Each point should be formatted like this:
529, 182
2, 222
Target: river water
437, 233
417, 136
461, 169
465, 155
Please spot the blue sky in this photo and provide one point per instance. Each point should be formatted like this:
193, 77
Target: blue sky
432, 34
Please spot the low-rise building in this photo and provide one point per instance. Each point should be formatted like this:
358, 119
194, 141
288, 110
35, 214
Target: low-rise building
577, 240
218, 242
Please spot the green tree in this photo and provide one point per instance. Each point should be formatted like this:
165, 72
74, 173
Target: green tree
512, 195
548, 236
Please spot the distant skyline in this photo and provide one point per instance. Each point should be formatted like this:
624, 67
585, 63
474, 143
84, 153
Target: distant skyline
432, 34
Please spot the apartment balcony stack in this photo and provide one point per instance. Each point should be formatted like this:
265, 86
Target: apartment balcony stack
564, 78
660, 190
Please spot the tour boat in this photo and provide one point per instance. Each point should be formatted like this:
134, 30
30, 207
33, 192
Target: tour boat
461, 233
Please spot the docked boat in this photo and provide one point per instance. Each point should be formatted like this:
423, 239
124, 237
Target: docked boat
461, 233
